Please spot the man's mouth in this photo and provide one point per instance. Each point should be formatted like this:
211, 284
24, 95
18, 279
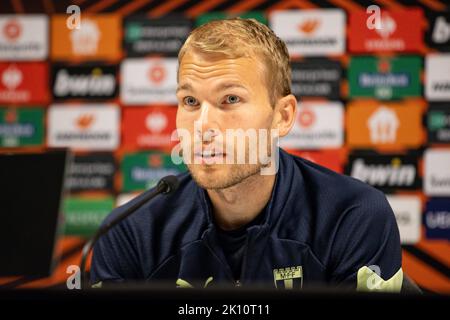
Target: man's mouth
209, 157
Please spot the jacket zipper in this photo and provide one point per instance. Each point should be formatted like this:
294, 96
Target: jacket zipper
227, 271
238, 282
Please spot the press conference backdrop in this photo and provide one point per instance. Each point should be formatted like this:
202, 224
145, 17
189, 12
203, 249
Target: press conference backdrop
374, 104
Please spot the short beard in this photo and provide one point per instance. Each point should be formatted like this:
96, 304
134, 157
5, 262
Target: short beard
233, 178
236, 175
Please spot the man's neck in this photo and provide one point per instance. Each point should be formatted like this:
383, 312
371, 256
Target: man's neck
240, 204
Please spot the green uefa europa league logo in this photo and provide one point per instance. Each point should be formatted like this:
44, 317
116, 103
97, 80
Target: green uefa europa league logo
133, 32
436, 121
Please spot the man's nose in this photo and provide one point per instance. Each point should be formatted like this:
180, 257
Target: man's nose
206, 125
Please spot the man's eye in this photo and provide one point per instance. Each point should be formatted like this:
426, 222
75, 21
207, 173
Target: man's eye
232, 99
190, 101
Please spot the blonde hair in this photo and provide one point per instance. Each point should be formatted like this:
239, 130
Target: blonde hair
238, 37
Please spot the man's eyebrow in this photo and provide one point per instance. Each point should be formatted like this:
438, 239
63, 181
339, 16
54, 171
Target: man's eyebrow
186, 86
229, 85
222, 86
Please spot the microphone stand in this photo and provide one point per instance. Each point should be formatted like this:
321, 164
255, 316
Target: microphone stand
165, 186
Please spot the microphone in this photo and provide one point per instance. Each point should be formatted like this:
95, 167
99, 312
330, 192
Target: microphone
165, 186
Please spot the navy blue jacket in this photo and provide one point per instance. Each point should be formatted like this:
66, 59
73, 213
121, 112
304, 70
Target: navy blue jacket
319, 227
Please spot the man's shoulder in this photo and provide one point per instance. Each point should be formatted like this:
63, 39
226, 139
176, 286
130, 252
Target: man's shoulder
332, 185
336, 208
334, 196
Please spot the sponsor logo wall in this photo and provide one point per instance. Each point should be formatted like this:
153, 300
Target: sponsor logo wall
373, 104
143, 36
24, 37
149, 127
437, 172
438, 34
94, 171
143, 170
386, 172
408, 212
316, 78
437, 83
21, 127
97, 39
149, 81
397, 34
384, 125
317, 125
24, 83
85, 127
385, 78
437, 219
84, 82
311, 32
438, 123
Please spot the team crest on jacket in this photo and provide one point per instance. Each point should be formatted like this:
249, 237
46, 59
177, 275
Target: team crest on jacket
288, 278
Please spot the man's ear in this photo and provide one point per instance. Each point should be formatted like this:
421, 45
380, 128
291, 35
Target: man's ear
285, 112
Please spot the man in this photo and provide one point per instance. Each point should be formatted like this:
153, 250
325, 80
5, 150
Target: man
232, 222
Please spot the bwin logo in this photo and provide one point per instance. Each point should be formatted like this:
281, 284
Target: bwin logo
384, 175
94, 84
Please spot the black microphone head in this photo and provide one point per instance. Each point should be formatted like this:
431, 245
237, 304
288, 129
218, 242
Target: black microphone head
168, 184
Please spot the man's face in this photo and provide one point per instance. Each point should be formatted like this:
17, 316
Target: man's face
216, 93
